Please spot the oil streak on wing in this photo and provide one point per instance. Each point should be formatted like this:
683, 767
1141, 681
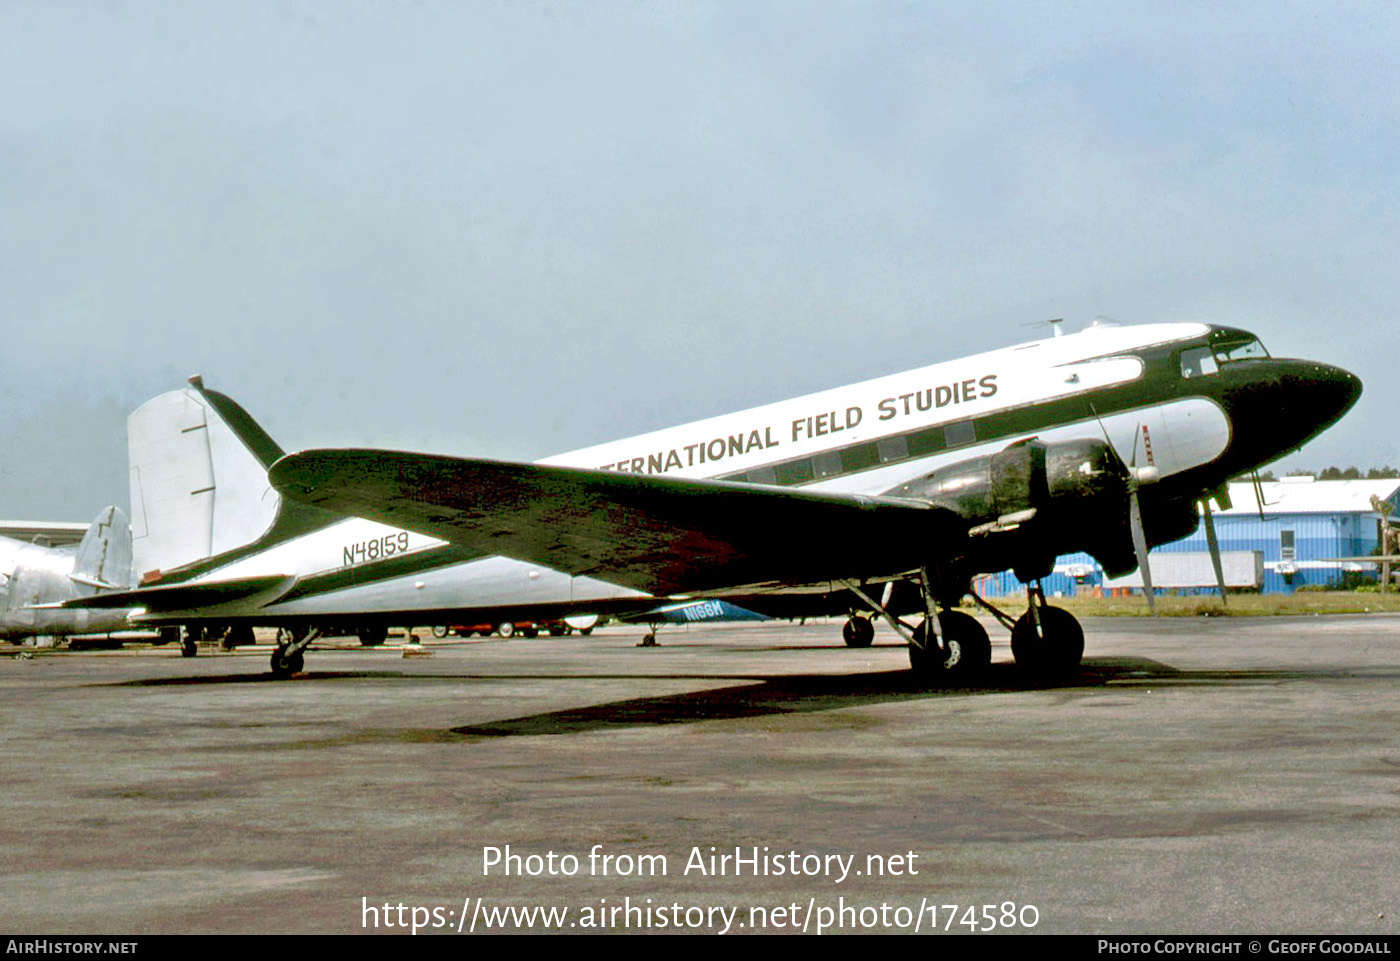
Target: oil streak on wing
660, 535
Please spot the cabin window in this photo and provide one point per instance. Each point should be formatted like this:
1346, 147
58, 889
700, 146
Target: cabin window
826, 464
1197, 362
893, 448
959, 434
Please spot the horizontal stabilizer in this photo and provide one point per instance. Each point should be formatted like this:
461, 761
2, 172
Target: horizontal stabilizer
656, 534
94, 582
180, 597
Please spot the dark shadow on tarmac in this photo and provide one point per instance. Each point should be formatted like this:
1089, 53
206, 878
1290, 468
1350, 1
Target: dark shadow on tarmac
749, 696
809, 693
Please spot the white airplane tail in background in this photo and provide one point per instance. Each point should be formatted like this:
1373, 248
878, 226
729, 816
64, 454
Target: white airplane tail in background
103, 561
198, 478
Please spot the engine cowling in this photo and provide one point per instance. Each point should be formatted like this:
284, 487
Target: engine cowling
1033, 500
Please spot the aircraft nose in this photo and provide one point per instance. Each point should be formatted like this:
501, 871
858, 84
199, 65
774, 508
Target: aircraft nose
1278, 405
1329, 391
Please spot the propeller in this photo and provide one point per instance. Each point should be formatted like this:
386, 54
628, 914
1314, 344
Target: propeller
1136, 478
1214, 546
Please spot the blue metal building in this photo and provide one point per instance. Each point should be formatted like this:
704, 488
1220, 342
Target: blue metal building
1303, 525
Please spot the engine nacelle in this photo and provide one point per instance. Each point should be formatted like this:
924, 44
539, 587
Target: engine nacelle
1034, 500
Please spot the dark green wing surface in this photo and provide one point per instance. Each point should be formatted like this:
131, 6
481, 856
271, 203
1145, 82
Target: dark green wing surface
656, 534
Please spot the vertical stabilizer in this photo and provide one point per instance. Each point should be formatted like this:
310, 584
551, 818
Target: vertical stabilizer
198, 478
104, 555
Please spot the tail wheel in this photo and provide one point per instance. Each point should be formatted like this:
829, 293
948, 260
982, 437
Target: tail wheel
285, 665
967, 650
858, 632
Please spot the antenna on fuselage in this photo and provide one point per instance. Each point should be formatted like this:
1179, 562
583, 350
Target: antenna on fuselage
1054, 324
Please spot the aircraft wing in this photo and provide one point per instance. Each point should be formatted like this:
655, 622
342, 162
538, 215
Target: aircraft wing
172, 597
47, 533
655, 534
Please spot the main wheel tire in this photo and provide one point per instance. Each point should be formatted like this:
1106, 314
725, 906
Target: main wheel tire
505, 630
531, 631
969, 650
440, 631
373, 636
858, 632
1058, 652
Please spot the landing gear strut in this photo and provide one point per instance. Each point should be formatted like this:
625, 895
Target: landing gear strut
1046, 640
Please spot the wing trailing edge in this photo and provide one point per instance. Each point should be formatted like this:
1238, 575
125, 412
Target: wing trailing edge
182, 597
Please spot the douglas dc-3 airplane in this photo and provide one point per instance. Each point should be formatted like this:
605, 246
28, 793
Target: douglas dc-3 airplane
35, 578
887, 496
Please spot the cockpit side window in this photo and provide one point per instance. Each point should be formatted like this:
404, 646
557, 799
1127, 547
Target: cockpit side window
1197, 362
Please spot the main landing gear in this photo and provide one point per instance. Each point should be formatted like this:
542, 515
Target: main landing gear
1047, 641
949, 647
953, 648
966, 652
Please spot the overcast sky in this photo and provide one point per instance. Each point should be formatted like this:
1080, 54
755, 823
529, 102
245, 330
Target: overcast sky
511, 229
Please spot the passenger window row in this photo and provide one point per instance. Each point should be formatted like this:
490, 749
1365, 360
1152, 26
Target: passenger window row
858, 457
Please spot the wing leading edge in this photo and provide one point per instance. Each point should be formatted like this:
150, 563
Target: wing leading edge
660, 535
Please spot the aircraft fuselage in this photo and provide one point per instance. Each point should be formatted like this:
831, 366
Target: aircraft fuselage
1193, 404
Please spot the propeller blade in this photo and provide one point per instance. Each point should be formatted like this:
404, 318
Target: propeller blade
1214, 546
1140, 548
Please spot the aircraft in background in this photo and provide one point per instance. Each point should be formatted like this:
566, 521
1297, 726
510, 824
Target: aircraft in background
885, 497
39, 573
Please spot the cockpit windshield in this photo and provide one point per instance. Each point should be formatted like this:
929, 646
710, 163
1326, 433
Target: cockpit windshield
1246, 348
1226, 347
